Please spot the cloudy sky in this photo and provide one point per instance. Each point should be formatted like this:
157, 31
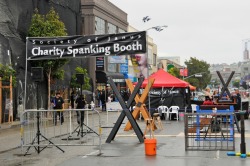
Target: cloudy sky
210, 30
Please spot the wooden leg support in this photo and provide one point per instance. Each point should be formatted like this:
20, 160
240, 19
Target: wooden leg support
150, 127
157, 118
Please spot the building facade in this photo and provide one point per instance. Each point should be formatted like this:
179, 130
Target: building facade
102, 17
164, 62
151, 58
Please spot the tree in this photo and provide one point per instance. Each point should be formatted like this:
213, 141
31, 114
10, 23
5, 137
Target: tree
6, 71
236, 83
86, 85
198, 66
175, 72
48, 25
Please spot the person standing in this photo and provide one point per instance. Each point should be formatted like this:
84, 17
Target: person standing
98, 94
103, 100
80, 101
237, 106
215, 96
72, 99
208, 97
58, 104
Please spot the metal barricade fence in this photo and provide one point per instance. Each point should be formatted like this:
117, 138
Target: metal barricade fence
44, 128
208, 132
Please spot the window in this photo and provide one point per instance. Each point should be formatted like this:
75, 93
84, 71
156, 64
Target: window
150, 56
154, 59
121, 30
111, 28
112, 68
99, 26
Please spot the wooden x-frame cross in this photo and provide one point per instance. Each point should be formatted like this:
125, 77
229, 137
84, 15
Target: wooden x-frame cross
140, 106
125, 112
225, 85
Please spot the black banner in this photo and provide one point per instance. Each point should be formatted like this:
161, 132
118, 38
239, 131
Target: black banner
168, 97
81, 46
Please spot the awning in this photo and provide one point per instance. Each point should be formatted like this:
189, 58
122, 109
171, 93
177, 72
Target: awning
192, 88
102, 77
131, 77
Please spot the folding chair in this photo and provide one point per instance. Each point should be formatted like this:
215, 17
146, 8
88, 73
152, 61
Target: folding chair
174, 110
163, 110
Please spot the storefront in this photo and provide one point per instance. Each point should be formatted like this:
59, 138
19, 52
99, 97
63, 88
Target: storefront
102, 81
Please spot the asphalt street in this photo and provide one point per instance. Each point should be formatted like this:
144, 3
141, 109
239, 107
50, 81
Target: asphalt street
125, 149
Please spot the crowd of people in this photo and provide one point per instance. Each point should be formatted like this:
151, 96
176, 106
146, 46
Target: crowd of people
210, 99
76, 101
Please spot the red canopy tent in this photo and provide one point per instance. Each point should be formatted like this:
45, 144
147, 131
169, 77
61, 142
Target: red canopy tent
168, 90
192, 88
164, 79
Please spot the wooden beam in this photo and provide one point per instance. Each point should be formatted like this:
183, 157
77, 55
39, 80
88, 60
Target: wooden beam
140, 103
126, 112
10, 119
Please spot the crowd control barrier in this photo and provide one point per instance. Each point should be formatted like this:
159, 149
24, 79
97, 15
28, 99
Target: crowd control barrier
210, 129
57, 128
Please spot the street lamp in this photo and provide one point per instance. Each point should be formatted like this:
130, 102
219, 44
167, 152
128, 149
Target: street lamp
197, 75
159, 29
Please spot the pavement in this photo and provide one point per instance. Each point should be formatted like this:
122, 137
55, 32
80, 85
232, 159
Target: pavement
125, 149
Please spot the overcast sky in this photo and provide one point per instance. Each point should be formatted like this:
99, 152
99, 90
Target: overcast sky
210, 30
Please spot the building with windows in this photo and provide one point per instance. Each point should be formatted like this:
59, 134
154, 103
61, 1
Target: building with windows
103, 17
151, 58
164, 62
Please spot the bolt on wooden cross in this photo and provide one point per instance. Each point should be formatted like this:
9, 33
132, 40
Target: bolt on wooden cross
140, 106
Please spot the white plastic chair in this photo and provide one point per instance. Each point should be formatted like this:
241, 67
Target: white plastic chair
174, 110
140, 117
163, 110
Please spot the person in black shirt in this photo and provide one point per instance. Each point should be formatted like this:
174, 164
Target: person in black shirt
58, 104
72, 99
80, 101
237, 106
103, 100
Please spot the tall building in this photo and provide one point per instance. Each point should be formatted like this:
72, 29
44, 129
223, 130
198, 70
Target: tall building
103, 17
246, 53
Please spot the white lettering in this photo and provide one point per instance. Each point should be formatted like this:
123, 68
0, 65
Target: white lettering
133, 47
37, 51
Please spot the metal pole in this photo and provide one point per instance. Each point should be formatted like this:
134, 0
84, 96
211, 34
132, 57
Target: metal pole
242, 126
26, 70
149, 107
38, 117
147, 57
